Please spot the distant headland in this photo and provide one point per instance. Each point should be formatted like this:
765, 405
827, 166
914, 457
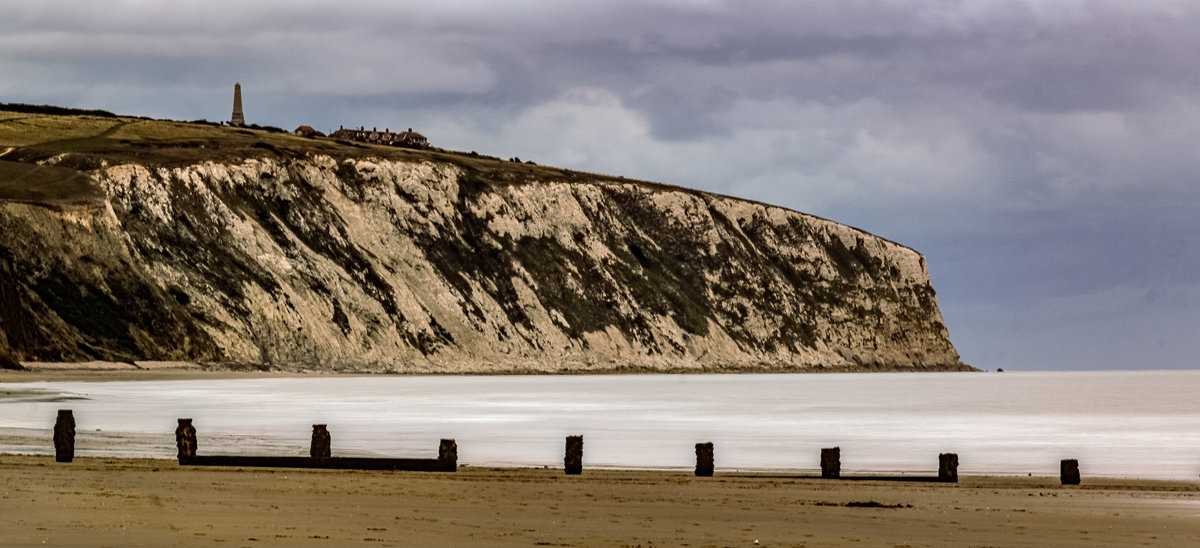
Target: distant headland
134, 240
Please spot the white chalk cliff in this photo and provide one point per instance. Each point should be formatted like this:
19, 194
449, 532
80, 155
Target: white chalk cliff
316, 262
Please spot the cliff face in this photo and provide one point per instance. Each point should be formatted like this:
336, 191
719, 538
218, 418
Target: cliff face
312, 261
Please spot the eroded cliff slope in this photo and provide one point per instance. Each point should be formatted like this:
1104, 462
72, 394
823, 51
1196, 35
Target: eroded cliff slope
296, 254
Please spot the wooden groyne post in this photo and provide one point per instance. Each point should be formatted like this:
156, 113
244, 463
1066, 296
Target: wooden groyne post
573, 461
185, 439
319, 452
1068, 472
320, 446
64, 436
704, 459
448, 455
948, 467
831, 462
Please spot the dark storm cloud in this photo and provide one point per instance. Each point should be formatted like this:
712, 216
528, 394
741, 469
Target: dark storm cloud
1041, 153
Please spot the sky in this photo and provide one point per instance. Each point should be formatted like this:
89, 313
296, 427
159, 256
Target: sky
1040, 154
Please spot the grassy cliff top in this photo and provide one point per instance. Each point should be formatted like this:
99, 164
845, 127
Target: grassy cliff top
90, 140
96, 138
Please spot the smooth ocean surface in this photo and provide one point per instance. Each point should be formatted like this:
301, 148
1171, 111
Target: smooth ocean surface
1128, 424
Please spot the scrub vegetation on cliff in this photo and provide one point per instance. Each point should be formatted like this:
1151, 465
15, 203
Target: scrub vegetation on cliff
134, 239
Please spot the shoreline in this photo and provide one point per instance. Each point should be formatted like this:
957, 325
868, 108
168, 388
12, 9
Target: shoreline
124, 371
636, 422
158, 502
179, 374
916, 477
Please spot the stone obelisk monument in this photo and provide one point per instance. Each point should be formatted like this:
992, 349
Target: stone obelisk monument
238, 119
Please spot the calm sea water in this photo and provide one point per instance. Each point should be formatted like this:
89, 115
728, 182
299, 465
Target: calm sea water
1127, 424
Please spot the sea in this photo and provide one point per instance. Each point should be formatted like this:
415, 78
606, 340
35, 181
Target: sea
1133, 424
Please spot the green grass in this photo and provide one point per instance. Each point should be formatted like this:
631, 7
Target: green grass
161, 142
21, 130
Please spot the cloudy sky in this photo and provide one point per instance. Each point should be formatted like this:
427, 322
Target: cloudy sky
1041, 153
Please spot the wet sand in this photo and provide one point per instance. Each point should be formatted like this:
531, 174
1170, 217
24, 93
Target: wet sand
119, 502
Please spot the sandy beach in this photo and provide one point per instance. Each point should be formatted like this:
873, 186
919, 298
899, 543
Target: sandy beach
144, 502
152, 502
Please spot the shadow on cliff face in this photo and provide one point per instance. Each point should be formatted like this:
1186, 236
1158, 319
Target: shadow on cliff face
92, 303
9, 362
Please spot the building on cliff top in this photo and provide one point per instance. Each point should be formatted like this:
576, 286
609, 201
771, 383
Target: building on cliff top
408, 138
308, 131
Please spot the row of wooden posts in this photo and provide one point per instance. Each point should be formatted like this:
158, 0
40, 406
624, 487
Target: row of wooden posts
320, 456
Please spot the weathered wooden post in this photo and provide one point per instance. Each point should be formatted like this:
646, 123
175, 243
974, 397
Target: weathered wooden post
1068, 472
704, 459
185, 439
64, 436
573, 462
448, 455
319, 448
948, 467
831, 462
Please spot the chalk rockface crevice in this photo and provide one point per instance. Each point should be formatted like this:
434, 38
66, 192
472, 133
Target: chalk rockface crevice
315, 262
